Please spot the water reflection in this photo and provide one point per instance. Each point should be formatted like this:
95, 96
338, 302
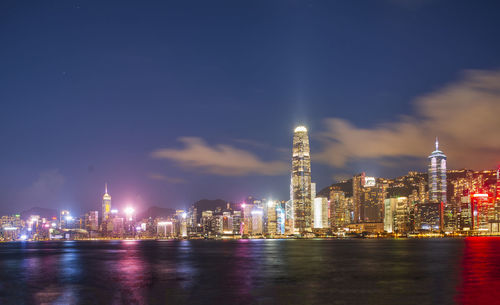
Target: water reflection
252, 272
480, 271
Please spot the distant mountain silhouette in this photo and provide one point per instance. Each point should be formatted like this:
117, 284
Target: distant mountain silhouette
154, 212
345, 186
42, 212
210, 205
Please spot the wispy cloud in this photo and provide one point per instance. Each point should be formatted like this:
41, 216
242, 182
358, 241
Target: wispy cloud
464, 115
219, 159
264, 146
162, 177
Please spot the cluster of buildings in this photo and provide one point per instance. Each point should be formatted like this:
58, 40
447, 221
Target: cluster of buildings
441, 201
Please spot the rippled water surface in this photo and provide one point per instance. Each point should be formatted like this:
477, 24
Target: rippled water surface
429, 271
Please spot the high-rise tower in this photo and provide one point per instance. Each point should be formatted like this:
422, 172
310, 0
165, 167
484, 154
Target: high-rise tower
437, 176
301, 181
106, 204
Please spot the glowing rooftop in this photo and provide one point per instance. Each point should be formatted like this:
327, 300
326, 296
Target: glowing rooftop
300, 129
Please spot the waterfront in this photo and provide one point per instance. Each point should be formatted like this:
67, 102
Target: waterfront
355, 271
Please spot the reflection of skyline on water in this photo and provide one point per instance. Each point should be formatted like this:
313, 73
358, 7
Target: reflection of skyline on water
429, 271
480, 271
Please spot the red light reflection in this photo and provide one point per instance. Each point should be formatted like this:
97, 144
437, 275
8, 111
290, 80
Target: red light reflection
480, 271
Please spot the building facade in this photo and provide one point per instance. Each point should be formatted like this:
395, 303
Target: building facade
301, 182
437, 176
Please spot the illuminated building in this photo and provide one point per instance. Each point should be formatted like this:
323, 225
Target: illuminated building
247, 218
92, 221
227, 223
181, 222
165, 228
289, 217
313, 194
106, 204
320, 212
271, 217
402, 215
429, 216
368, 196
10, 227
280, 220
495, 226
389, 211
207, 222
357, 186
118, 226
65, 219
257, 221
237, 223
301, 181
341, 209
370, 227
481, 211
465, 214
437, 176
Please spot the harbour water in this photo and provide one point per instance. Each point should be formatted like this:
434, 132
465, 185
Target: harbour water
351, 271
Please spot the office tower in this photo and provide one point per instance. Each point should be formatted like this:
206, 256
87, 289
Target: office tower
358, 182
280, 220
402, 215
237, 223
288, 217
181, 222
368, 197
106, 204
301, 181
257, 221
429, 217
437, 176
92, 221
227, 223
313, 193
481, 216
247, 218
206, 222
118, 227
271, 219
389, 211
320, 212
65, 219
341, 209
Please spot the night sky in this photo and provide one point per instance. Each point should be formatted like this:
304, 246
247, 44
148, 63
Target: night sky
174, 101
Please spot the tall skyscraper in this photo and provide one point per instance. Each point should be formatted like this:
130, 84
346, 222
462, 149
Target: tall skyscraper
437, 176
106, 204
301, 181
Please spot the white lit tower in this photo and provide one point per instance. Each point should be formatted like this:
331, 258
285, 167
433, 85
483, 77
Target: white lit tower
106, 204
437, 176
301, 181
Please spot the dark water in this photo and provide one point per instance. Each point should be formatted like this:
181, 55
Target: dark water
440, 271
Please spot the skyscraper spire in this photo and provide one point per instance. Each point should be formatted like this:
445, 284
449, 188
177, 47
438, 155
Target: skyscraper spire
105, 187
437, 144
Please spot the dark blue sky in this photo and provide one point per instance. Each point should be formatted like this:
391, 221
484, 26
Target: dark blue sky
89, 89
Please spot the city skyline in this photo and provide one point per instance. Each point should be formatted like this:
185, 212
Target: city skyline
303, 188
89, 98
249, 152
300, 147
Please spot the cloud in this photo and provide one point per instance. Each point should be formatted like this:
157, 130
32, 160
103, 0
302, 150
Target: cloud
220, 159
465, 115
161, 177
262, 146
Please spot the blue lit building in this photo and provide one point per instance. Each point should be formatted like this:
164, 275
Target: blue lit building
437, 176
